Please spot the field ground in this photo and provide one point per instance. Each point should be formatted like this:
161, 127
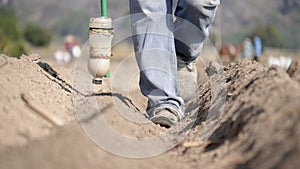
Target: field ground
258, 128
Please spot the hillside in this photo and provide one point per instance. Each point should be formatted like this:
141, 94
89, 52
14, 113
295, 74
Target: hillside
238, 18
241, 17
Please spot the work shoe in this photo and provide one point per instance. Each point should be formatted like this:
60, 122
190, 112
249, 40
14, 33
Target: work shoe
187, 79
165, 116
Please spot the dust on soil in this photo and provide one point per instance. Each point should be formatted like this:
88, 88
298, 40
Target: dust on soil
258, 128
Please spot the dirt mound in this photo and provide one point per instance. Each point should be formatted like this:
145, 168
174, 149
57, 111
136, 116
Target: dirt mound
19, 123
246, 117
260, 125
294, 71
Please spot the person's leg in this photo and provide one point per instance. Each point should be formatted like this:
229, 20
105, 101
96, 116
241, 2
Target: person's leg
152, 27
192, 29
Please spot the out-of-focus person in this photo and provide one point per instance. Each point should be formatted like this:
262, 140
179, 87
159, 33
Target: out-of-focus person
247, 48
71, 46
257, 45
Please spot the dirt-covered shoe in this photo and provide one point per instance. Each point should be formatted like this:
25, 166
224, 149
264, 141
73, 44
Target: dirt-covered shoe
165, 117
187, 79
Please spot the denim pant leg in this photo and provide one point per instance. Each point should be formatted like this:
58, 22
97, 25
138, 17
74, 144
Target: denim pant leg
191, 26
152, 27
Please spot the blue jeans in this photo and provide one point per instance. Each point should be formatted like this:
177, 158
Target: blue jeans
159, 38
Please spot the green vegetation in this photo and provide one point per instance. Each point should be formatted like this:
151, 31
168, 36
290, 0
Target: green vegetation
36, 35
270, 36
12, 38
11, 41
238, 37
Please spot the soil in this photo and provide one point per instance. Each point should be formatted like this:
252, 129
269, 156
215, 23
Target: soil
245, 115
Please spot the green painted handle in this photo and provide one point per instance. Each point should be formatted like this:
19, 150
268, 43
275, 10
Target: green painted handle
104, 13
107, 74
103, 8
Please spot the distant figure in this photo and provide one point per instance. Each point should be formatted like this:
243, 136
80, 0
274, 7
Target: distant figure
229, 53
69, 42
247, 48
59, 57
257, 44
62, 57
72, 48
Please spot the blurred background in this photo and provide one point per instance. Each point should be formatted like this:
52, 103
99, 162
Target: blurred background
261, 126
40, 26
